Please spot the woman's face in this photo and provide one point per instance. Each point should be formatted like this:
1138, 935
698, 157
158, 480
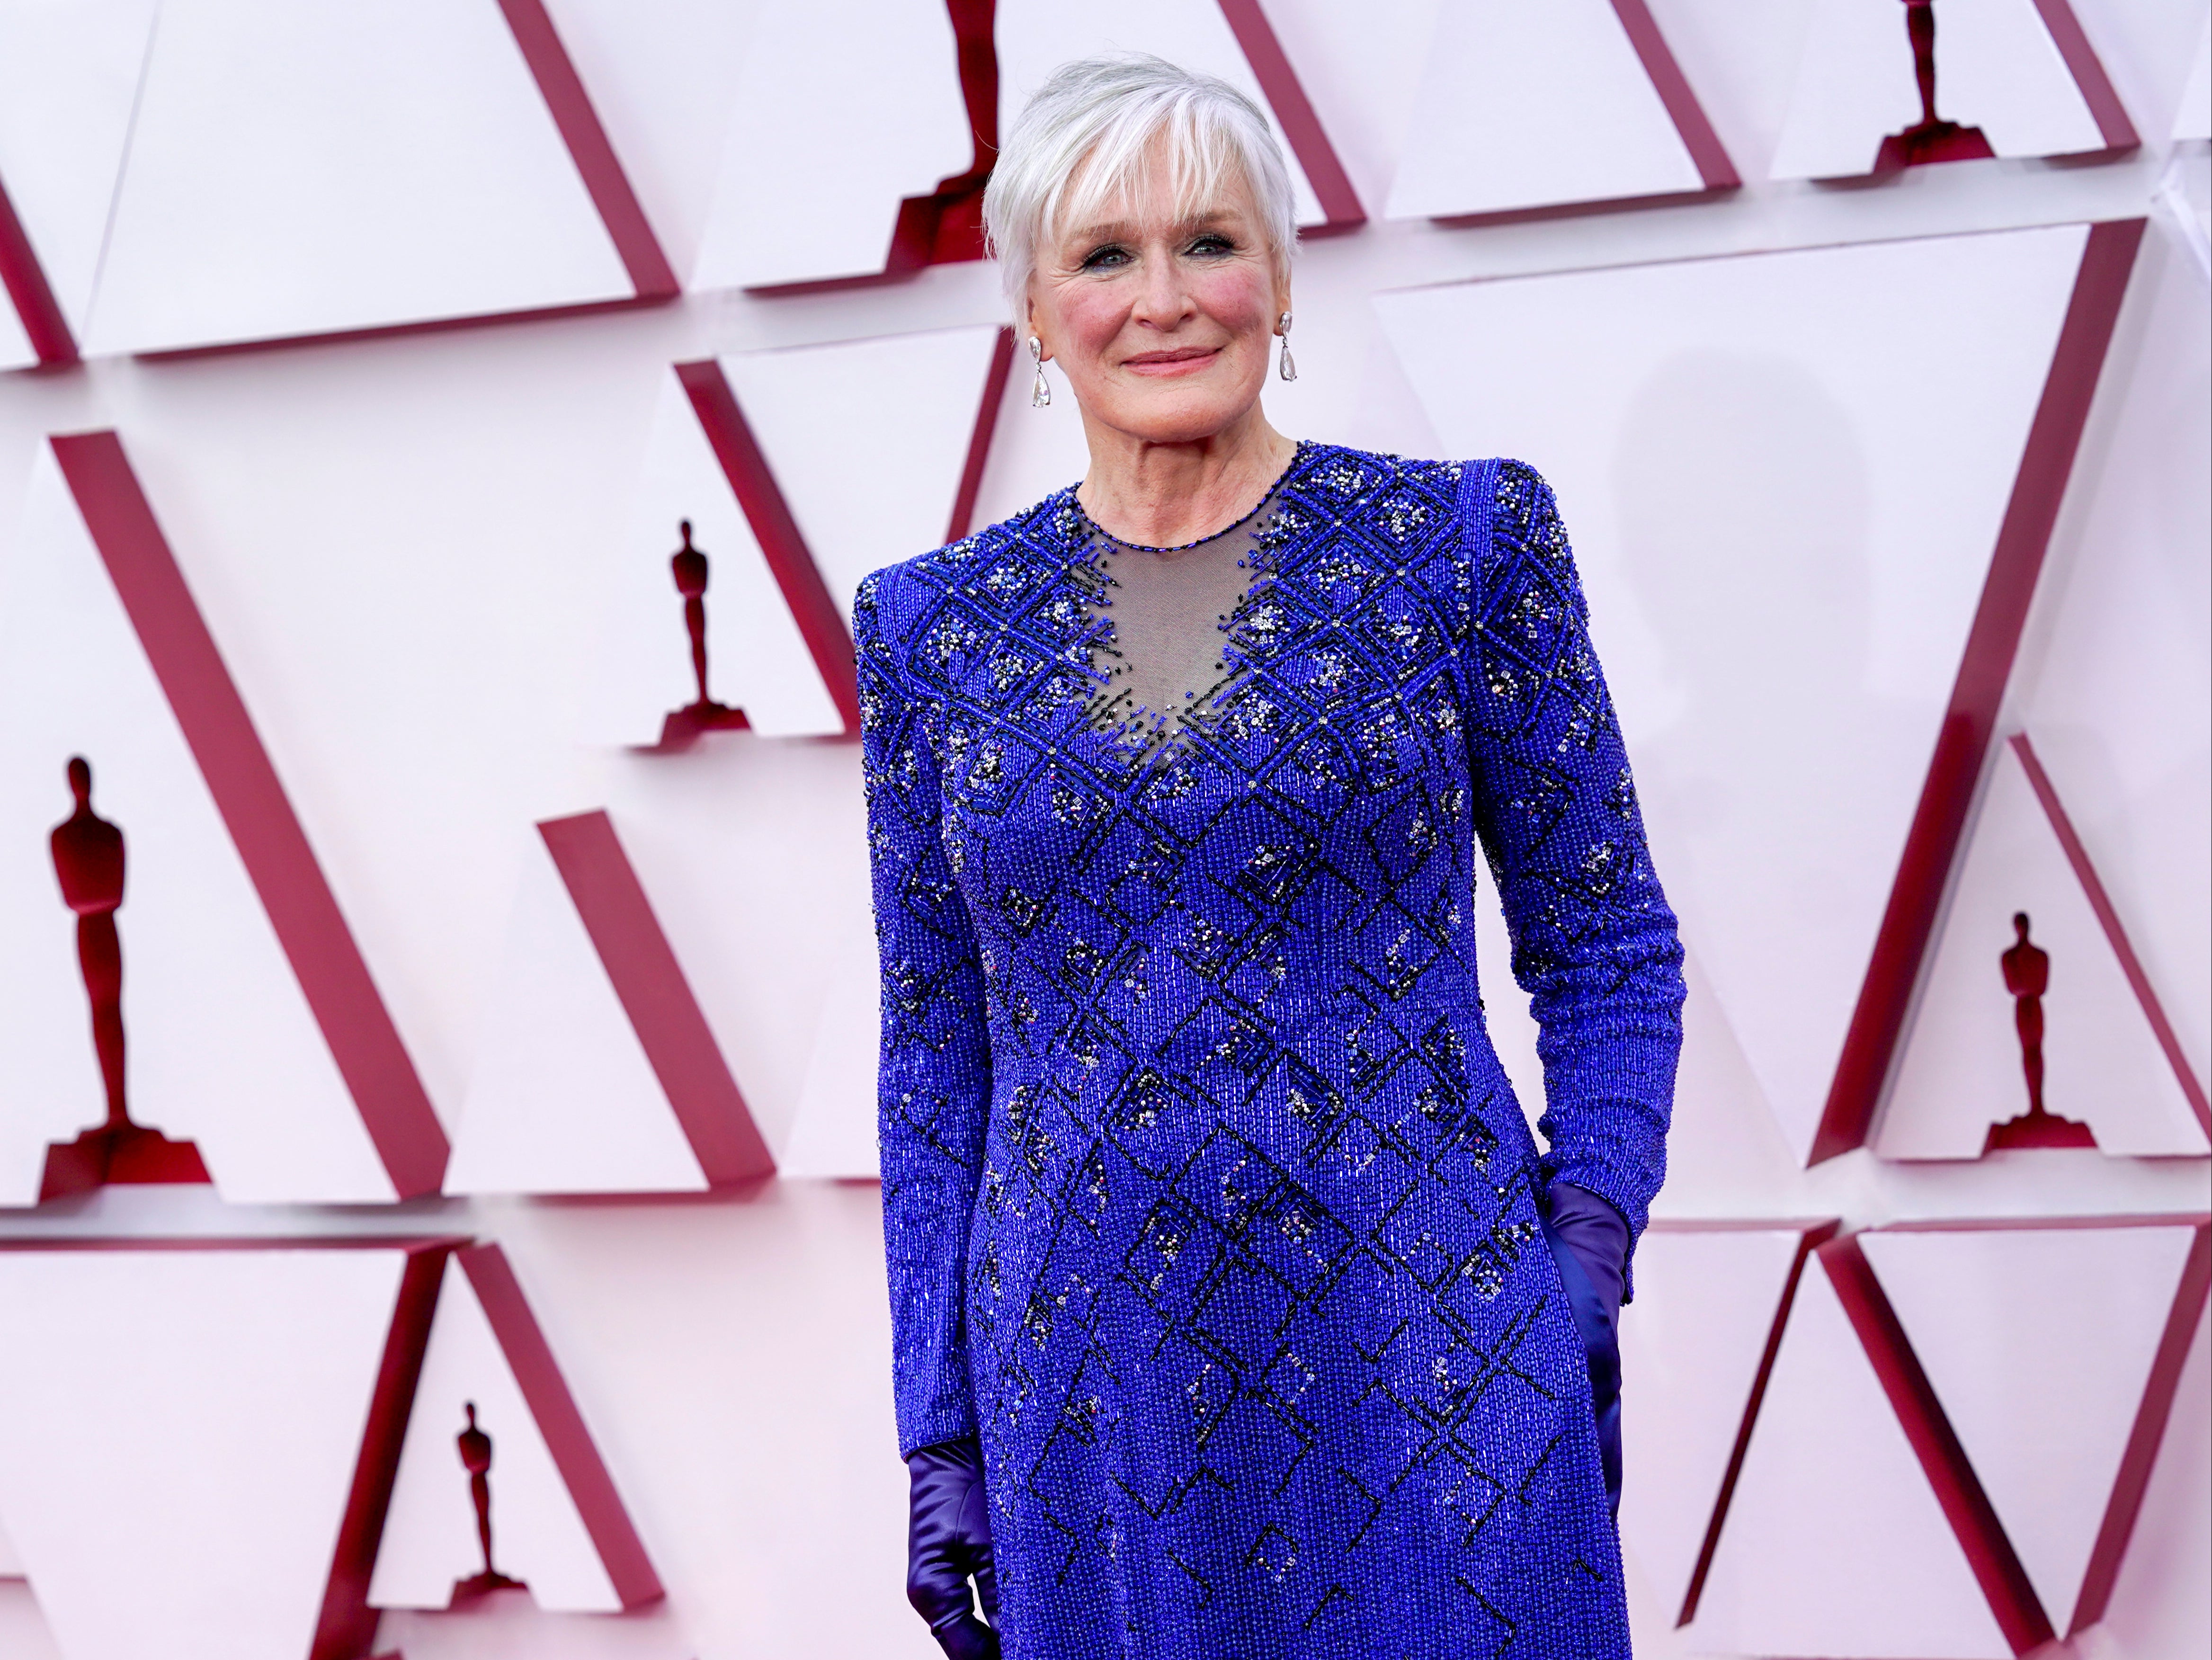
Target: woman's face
1161, 323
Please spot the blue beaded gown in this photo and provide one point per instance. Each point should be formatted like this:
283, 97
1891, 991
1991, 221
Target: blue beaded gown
1207, 1207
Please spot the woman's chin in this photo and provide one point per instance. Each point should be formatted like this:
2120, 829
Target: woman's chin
1178, 411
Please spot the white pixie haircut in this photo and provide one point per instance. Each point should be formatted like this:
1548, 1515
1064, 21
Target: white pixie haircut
1107, 111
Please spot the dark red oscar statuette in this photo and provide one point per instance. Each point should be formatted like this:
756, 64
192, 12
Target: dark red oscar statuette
682, 727
476, 1457
88, 861
2026, 968
1931, 139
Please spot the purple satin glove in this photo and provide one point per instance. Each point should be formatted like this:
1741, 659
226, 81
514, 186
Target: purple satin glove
1598, 1236
949, 1538
1589, 1240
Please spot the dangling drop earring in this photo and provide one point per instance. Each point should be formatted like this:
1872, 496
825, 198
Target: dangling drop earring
1289, 369
1041, 394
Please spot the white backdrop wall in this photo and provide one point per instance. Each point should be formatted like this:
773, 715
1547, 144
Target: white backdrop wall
424, 498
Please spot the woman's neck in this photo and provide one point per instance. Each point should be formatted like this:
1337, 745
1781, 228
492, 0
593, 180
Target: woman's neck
1163, 495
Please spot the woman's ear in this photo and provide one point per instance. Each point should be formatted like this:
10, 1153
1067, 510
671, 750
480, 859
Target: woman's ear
1029, 320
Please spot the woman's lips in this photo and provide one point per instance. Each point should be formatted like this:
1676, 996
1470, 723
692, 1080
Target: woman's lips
1188, 361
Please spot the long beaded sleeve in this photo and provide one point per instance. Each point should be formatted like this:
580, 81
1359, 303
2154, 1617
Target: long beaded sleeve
933, 1081
1593, 940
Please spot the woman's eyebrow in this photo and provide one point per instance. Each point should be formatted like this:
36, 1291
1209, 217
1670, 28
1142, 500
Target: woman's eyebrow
1122, 230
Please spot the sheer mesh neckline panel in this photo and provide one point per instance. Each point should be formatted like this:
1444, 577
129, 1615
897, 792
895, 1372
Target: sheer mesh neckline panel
1165, 650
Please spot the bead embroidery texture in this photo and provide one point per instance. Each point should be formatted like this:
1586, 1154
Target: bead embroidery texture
1206, 1206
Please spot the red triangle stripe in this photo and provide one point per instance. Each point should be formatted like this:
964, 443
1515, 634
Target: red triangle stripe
25, 280
379, 1073
821, 621
1969, 725
575, 1455
678, 1043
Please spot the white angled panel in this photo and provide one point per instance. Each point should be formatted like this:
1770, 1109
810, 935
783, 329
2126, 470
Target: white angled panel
2115, 681
16, 349
757, 856
909, 401
2193, 120
1836, 1544
1360, 67
2185, 196
1523, 106
867, 438
833, 1133
24, 1632
222, 1050
644, 662
1961, 1068
300, 167
180, 1439
430, 1532
1036, 37
2039, 1343
1996, 69
562, 1099
659, 79
757, 659
1690, 1348
843, 108
1726, 1152
69, 74
2162, 1600
1782, 555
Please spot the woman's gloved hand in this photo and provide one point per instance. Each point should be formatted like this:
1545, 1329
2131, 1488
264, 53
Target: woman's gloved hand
1589, 1239
949, 1538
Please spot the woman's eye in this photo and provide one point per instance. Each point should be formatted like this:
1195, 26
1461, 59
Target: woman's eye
1211, 245
1105, 257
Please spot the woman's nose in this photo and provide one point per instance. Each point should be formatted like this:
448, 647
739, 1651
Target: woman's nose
1163, 299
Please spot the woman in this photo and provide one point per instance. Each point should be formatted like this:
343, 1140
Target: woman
1223, 1325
